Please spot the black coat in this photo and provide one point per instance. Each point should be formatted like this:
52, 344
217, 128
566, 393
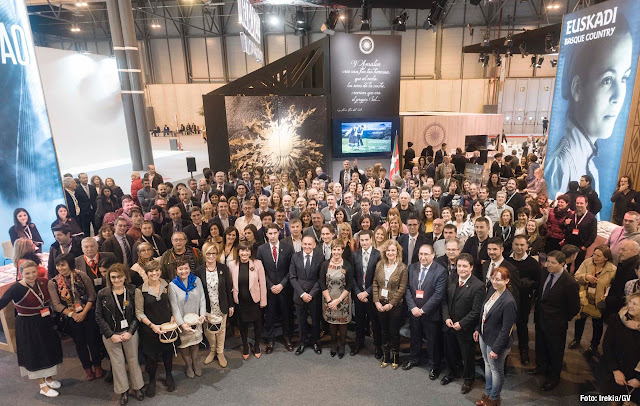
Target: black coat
112, 245
514, 283
192, 234
276, 273
225, 297
359, 272
167, 231
464, 304
403, 240
54, 252
499, 322
35, 235
561, 304
471, 247
302, 281
106, 311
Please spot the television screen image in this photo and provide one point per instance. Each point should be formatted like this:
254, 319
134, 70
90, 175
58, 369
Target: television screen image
366, 137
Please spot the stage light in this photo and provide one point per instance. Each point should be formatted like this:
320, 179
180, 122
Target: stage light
519, 118
539, 64
342, 17
554, 63
155, 24
486, 39
480, 57
75, 28
530, 118
498, 60
301, 26
508, 42
81, 4
550, 45
366, 16
437, 12
533, 61
299, 15
508, 53
507, 118
400, 22
470, 27
274, 20
485, 61
523, 49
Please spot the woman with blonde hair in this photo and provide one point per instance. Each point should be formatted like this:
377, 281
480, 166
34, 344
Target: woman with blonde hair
275, 200
24, 250
145, 255
380, 236
536, 241
389, 285
505, 229
207, 212
345, 236
287, 184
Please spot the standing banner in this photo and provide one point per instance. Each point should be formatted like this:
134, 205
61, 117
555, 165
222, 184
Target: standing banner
29, 175
597, 64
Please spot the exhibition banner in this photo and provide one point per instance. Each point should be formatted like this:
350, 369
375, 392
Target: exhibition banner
365, 75
29, 175
596, 69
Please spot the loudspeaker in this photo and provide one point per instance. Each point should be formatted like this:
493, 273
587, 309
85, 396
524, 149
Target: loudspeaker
191, 164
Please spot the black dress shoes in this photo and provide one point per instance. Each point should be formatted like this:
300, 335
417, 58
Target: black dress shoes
535, 371
524, 358
378, 352
300, 349
434, 373
466, 387
549, 385
334, 351
355, 349
171, 384
448, 379
408, 365
151, 389
288, 345
138, 394
590, 352
124, 398
341, 353
317, 349
269, 349
574, 344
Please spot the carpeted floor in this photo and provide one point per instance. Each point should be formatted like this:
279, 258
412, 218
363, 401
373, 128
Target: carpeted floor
284, 379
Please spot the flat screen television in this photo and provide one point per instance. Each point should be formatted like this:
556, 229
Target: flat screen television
364, 137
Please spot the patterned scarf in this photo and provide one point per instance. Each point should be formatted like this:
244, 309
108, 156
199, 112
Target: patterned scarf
65, 292
191, 285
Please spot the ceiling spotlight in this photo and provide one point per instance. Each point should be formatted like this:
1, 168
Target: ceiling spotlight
485, 61
81, 4
299, 15
480, 57
400, 22
301, 26
75, 28
155, 24
274, 20
508, 53
523, 49
437, 12
533, 61
342, 17
539, 64
366, 15
508, 42
486, 39
498, 60
554, 63
470, 27
549, 44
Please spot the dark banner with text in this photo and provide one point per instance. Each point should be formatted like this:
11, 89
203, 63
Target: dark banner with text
29, 175
594, 82
365, 75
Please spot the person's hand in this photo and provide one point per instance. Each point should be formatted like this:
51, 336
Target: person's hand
457, 326
231, 310
449, 323
278, 288
307, 297
388, 307
333, 305
194, 242
186, 327
116, 338
126, 336
379, 307
156, 329
592, 279
634, 383
201, 319
362, 296
493, 355
619, 377
476, 336
567, 221
545, 211
76, 317
416, 312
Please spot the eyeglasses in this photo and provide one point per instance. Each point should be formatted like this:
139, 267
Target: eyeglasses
211, 254
119, 276
179, 239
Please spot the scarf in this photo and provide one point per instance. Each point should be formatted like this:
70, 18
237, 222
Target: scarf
67, 293
191, 285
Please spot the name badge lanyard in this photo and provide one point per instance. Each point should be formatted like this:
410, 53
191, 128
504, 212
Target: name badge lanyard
93, 270
155, 246
124, 300
39, 295
28, 233
575, 220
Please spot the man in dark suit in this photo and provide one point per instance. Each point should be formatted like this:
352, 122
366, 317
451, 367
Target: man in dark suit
582, 229
71, 200
223, 187
365, 260
477, 244
440, 154
412, 241
121, 243
176, 224
88, 263
365, 209
304, 272
197, 232
63, 244
186, 203
557, 302
461, 313
437, 233
204, 191
87, 196
495, 248
276, 259
223, 218
498, 166
345, 174
426, 286
453, 249
459, 161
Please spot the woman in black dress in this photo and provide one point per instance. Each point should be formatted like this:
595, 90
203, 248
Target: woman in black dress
62, 217
152, 310
249, 294
24, 228
38, 344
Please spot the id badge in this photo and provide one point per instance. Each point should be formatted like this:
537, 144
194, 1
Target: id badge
45, 312
97, 281
78, 307
124, 324
384, 293
575, 231
419, 294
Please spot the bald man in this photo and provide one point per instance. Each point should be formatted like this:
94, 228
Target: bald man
629, 260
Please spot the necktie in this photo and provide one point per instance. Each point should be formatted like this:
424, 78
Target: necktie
461, 283
365, 265
423, 274
275, 254
93, 264
412, 245
307, 264
220, 188
489, 274
127, 250
547, 287
288, 214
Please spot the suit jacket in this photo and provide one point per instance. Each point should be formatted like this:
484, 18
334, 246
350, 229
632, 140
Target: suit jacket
112, 245
156, 242
431, 239
71, 206
167, 231
561, 304
444, 183
342, 177
433, 286
499, 322
54, 251
514, 283
463, 304
257, 281
87, 203
357, 218
81, 264
276, 273
192, 234
438, 157
303, 281
199, 194
216, 219
186, 216
225, 285
396, 287
228, 190
471, 247
360, 274
403, 240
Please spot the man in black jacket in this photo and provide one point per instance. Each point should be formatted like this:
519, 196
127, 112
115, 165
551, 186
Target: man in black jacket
87, 196
365, 210
64, 244
514, 199
276, 259
595, 205
557, 302
365, 260
461, 313
303, 275
412, 241
581, 229
629, 262
529, 271
459, 161
476, 246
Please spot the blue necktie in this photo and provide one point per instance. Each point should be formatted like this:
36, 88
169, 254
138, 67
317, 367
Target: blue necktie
423, 275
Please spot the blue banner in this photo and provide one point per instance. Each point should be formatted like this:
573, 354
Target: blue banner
594, 83
29, 175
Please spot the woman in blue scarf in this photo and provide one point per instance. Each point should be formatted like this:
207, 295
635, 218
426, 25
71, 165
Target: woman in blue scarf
187, 296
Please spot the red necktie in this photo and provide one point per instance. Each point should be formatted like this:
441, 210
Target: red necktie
93, 264
275, 255
461, 283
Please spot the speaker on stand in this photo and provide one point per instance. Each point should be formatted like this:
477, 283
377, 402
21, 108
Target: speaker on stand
191, 165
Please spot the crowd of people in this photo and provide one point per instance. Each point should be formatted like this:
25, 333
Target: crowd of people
462, 263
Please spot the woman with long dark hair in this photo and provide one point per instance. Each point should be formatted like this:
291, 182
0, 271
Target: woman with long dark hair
115, 189
23, 228
229, 249
556, 223
62, 217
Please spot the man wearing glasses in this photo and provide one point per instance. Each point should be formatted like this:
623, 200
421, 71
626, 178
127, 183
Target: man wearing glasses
180, 250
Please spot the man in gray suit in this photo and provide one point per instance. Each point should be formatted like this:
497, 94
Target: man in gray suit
88, 263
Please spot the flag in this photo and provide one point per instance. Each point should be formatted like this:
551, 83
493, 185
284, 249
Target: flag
395, 160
